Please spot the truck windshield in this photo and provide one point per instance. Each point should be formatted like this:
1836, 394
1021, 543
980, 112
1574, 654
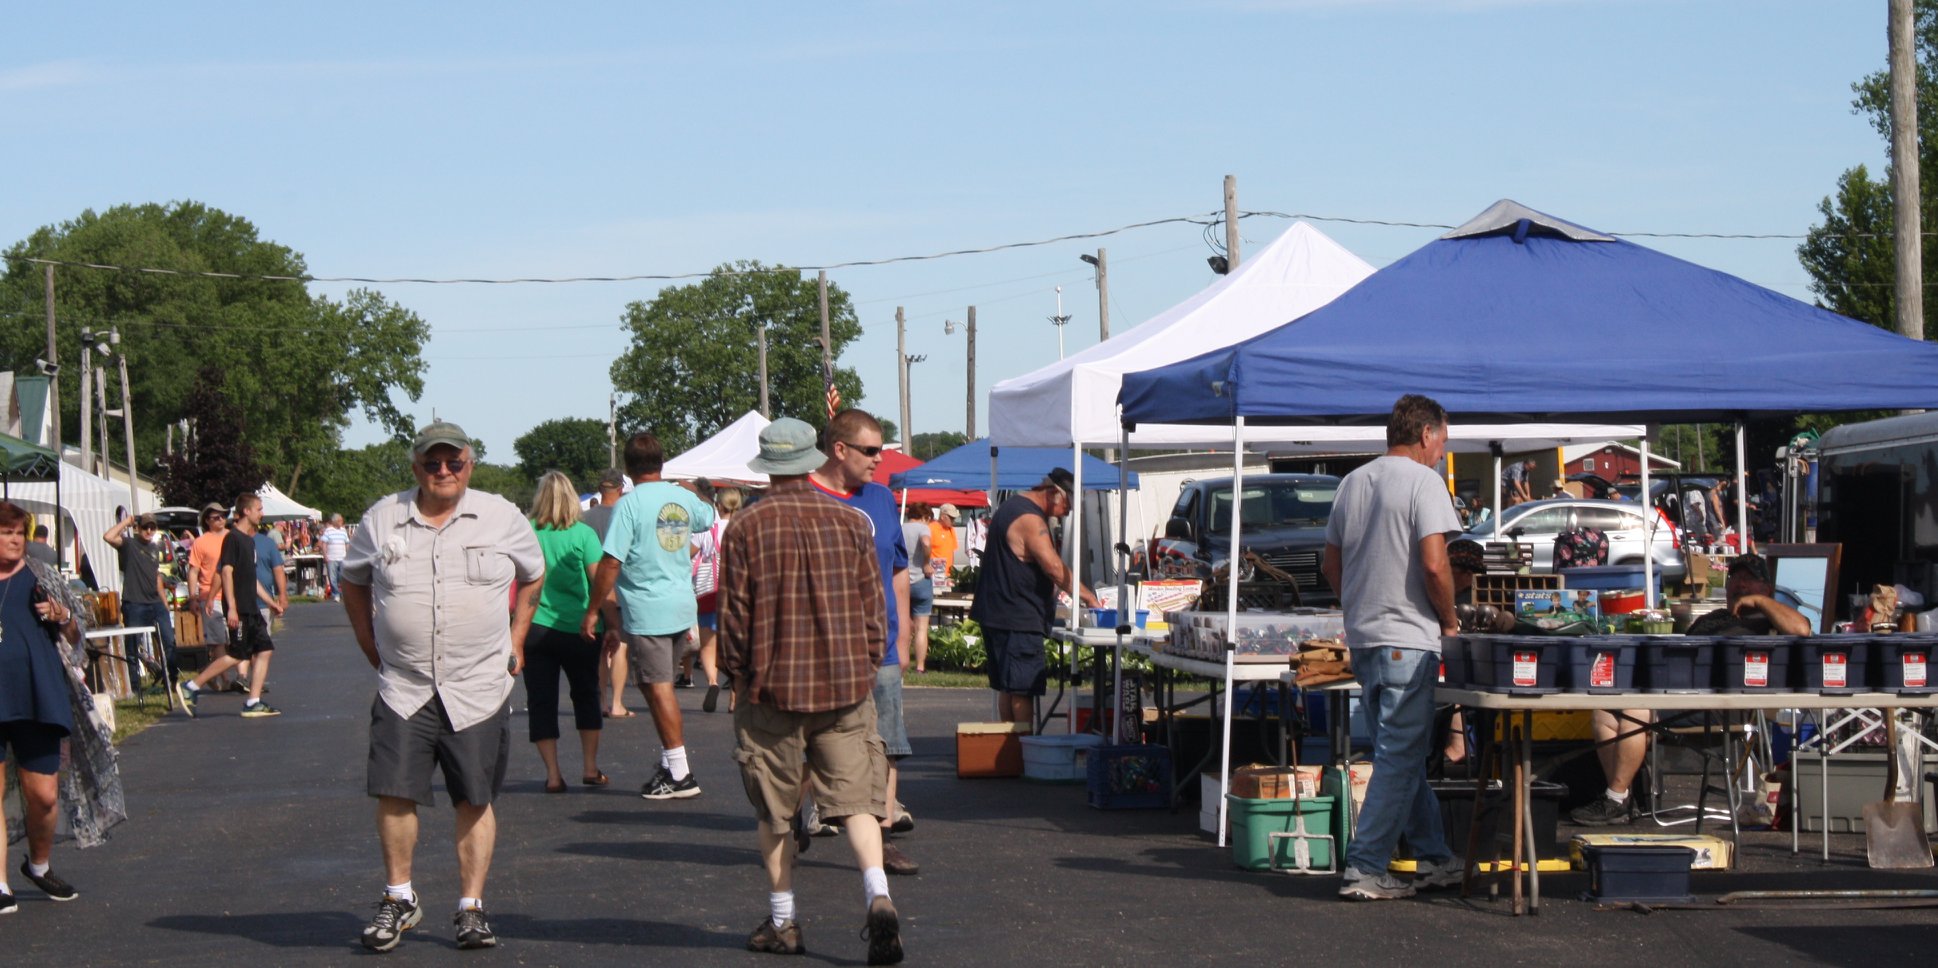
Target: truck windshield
1274, 505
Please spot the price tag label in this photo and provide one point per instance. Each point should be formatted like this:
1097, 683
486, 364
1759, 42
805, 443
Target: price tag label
1756, 669
1914, 669
1601, 674
1527, 668
1836, 670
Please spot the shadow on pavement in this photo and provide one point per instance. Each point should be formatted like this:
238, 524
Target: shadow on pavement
1840, 945
519, 927
300, 929
648, 816
674, 852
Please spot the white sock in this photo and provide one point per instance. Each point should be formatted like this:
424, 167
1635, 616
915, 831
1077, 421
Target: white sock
1621, 797
676, 763
780, 905
874, 884
38, 870
190, 686
246, 703
401, 892
470, 904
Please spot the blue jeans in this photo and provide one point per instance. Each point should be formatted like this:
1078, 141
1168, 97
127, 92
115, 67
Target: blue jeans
137, 614
334, 570
1396, 687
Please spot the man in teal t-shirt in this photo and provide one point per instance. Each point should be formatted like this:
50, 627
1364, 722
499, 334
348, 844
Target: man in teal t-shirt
649, 560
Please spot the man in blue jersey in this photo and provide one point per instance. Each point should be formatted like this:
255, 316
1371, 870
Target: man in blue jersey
853, 443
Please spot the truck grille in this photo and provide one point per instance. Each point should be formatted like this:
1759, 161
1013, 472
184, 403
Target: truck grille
1299, 563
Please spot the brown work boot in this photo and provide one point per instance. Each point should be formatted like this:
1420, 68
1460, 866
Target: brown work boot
784, 940
883, 931
896, 862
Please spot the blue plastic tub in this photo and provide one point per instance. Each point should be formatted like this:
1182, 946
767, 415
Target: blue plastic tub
1528, 665
1754, 663
1838, 664
1603, 665
1677, 663
1905, 661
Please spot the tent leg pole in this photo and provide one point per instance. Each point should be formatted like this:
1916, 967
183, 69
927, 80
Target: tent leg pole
1232, 560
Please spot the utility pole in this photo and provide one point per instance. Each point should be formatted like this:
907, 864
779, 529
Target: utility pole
53, 371
970, 427
765, 411
1904, 173
128, 421
106, 471
612, 428
1231, 223
87, 401
1102, 264
827, 338
901, 373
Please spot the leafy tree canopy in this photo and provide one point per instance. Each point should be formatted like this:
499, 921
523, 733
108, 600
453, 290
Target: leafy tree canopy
692, 366
295, 365
216, 463
932, 445
576, 447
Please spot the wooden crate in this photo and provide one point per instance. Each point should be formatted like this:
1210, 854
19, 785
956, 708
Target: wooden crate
1498, 590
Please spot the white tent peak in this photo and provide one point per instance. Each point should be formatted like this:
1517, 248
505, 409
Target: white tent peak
1074, 400
1504, 215
724, 455
277, 506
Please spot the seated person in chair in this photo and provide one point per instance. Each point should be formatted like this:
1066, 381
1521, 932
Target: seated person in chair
1752, 609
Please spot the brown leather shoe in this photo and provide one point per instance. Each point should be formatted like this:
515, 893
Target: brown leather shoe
896, 862
784, 940
883, 932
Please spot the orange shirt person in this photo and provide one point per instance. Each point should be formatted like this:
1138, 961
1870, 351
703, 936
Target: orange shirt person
942, 536
204, 554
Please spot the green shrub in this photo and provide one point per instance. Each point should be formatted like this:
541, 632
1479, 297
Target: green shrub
957, 646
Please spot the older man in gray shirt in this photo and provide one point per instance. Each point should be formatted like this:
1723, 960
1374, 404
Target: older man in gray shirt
426, 583
1386, 557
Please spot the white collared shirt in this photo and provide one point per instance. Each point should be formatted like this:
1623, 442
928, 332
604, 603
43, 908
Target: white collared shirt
441, 600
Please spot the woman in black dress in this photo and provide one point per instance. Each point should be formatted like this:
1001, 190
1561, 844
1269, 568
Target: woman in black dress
36, 713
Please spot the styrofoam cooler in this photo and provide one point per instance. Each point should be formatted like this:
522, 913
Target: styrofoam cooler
1059, 758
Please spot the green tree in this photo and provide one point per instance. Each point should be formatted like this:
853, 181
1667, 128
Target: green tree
692, 365
932, 445
295, 364
574, 446
216, 463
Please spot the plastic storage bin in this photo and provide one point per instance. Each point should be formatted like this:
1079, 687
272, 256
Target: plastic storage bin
1672, 663
1454, 669
1608, 578
1638, 872
1129, 777
1492, 827
1528, 665
1904, 661
1835, 664
1603, 665
1754, 663
1059, 759
1253, 822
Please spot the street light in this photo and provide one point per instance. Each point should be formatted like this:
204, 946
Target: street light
1101, 262
1058, 320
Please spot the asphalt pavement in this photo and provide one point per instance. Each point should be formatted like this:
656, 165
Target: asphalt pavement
251, 844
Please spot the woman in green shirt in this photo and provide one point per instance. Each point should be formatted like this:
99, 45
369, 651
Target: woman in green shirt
571, 554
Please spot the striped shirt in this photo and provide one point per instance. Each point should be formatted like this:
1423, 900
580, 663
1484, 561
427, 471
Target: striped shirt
802, 619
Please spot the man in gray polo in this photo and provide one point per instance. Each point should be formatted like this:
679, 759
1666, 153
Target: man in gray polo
425, 584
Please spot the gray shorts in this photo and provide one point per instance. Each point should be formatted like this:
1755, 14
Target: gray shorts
656, 658
888, 711
403, 753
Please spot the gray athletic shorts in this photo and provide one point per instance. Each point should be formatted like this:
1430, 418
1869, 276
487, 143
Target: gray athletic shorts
403, 753
888, 712
656, 658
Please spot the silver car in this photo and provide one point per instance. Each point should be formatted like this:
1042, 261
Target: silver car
1538, 522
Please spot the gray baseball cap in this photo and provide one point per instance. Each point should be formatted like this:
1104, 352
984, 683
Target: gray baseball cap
439, 432
787, 448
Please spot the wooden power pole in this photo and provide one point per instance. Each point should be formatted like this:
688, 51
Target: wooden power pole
53, 374
970, 426
1231, 223
827, 339
1103, 296
901, 375
1904, 172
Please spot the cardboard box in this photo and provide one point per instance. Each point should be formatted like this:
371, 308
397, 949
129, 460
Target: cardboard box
1712, 853
990, 749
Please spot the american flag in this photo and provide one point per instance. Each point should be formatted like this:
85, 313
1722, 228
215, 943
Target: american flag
833, 394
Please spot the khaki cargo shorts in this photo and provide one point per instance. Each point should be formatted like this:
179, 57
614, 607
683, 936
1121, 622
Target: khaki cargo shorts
838, 751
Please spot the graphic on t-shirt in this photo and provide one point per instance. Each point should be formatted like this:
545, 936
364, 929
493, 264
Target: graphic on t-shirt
675, 526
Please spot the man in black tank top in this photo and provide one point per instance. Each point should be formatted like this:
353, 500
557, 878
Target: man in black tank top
1016, 592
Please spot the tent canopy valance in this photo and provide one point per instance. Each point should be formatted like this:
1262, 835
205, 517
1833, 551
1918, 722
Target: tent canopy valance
1522, 317
1019, 469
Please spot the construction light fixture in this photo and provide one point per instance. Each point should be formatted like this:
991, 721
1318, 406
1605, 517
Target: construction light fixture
1087, 257
1219, 264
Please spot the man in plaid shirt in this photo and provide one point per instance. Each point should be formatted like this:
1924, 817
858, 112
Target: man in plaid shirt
803, 625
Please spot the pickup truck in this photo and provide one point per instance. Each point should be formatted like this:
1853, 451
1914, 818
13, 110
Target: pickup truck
1284, 521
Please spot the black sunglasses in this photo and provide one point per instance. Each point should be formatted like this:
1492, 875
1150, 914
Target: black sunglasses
865, 451
455, 465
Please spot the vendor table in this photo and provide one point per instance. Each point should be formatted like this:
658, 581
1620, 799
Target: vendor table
1518, 742
307, 578
1214, 673
147, 657
1097, 639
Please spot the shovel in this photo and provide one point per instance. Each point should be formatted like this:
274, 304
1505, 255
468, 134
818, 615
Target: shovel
1894, 832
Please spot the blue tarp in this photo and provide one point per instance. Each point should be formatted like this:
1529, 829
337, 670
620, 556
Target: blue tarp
1017, 469
1518, 316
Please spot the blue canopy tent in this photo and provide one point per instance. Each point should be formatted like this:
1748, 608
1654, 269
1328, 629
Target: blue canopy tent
1019, 468
1518, 316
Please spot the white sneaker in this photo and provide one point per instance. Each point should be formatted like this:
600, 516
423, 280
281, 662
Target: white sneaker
1361, 886
1431, 874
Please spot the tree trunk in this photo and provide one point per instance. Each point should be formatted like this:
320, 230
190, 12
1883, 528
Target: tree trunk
294, 476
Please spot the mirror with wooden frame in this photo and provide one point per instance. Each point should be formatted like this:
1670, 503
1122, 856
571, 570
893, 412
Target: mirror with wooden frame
1808, 572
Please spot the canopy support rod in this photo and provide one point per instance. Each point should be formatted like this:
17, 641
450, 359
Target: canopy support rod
1649, 517
1233, 560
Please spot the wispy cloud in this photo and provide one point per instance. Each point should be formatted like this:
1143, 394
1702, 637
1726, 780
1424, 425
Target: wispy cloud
61, 73
1267, 6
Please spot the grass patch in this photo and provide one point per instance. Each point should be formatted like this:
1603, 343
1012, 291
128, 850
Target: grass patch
130, 718
944, 679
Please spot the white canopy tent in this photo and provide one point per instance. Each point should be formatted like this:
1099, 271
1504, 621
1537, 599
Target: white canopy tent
90, 503
277, 506
724, 455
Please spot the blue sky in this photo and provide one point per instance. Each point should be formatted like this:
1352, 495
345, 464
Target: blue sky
501, 140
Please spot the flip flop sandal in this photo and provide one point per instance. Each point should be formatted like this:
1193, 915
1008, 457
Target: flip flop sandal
596, 781
625, 714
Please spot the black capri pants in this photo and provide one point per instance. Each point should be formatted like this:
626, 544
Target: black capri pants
547, 652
